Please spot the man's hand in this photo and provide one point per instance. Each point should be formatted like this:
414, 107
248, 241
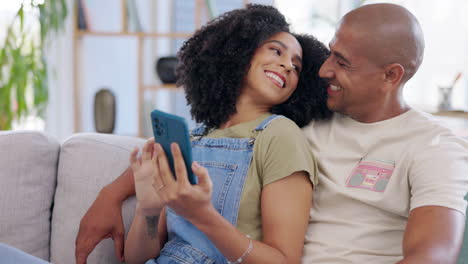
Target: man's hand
102, 220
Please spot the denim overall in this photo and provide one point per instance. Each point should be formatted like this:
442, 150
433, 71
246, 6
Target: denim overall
227, 161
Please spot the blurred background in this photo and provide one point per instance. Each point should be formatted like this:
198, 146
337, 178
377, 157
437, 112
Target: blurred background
69, 66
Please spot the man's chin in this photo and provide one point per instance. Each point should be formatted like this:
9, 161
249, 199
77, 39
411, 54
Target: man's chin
333, 107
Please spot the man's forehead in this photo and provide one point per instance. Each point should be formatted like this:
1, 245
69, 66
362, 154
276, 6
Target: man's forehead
350, 44
337, 45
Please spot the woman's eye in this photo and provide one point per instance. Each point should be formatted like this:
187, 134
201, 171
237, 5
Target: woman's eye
277, 51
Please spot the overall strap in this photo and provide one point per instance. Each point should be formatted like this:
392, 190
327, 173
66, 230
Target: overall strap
266, 122
198, 131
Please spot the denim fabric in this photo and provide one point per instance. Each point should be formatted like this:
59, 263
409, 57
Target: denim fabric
227, 161
11, 255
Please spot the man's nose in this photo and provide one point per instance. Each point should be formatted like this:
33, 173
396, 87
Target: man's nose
325, 70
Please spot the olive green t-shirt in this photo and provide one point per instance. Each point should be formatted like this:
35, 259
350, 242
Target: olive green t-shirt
279, 150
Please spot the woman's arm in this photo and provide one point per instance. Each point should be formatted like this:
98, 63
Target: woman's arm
285, 212
145, 237
285, 208
143, 240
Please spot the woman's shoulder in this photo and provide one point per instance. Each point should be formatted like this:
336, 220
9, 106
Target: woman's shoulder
282, 126
282, 149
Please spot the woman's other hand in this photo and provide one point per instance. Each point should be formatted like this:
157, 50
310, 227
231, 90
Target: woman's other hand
144, 169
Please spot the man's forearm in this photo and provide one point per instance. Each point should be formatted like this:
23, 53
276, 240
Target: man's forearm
122, 187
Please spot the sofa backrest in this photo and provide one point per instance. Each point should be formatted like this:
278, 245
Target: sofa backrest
87, 163
28, 168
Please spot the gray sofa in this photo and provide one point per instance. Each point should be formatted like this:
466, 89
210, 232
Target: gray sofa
46, 187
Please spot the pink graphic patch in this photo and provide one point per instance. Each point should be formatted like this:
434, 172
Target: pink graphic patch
371, 174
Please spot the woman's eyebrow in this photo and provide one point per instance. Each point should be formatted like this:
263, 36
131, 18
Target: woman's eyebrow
297, 57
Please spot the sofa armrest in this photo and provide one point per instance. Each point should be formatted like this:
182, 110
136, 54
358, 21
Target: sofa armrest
28, 169
87, 163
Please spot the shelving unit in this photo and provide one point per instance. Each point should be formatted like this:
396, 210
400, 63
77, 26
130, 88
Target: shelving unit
200, 9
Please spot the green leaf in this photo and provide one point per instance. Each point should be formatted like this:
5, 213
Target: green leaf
21, 61
20, 14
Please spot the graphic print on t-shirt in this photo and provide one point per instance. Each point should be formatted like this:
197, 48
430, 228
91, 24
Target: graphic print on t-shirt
371, 174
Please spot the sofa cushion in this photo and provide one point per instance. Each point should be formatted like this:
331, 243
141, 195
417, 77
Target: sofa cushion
87, 163
28, 162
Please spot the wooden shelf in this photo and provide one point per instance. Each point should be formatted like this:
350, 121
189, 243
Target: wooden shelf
81, 33
160, 86
457, 120
200, 6
453, 113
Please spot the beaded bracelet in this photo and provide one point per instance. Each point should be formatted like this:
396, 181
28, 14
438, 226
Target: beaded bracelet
246, 253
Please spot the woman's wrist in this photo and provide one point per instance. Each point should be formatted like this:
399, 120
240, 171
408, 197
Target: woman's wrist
147, 212
205, 217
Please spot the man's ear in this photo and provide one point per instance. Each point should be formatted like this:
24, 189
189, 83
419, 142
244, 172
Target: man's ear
394, 74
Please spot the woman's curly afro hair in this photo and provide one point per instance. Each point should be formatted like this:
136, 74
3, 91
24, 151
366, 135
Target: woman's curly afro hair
309, 100
215, 60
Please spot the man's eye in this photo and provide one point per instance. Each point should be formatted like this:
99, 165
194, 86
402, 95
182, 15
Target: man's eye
341, 64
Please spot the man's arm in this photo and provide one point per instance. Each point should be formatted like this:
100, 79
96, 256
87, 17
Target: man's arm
104, 218
434, 234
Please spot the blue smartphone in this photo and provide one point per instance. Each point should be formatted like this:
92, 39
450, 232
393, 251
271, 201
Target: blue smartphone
168, 128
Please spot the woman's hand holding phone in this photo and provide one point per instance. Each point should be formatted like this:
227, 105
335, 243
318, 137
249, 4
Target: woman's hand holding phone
149, 202
193, 202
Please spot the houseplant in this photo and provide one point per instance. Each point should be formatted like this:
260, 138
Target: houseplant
23, 69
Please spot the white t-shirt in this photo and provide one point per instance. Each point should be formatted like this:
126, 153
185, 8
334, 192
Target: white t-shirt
371, 176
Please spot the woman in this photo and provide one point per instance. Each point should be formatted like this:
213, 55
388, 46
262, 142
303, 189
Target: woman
255, 170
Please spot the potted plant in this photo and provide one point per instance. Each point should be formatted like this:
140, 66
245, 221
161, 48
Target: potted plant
23, 69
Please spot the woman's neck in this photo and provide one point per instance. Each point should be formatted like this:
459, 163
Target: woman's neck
245, 112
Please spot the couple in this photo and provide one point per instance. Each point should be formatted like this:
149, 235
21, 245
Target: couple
387, 181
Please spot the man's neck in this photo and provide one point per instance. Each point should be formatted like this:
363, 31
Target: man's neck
386, 111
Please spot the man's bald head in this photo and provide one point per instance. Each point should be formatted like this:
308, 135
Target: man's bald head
389, 34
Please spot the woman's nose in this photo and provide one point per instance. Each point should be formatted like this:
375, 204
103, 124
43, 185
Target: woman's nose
287, 65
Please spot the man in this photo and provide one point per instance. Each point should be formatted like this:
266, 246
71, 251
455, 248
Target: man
392, 180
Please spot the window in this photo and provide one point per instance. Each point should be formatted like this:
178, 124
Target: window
8, 10
446, 36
